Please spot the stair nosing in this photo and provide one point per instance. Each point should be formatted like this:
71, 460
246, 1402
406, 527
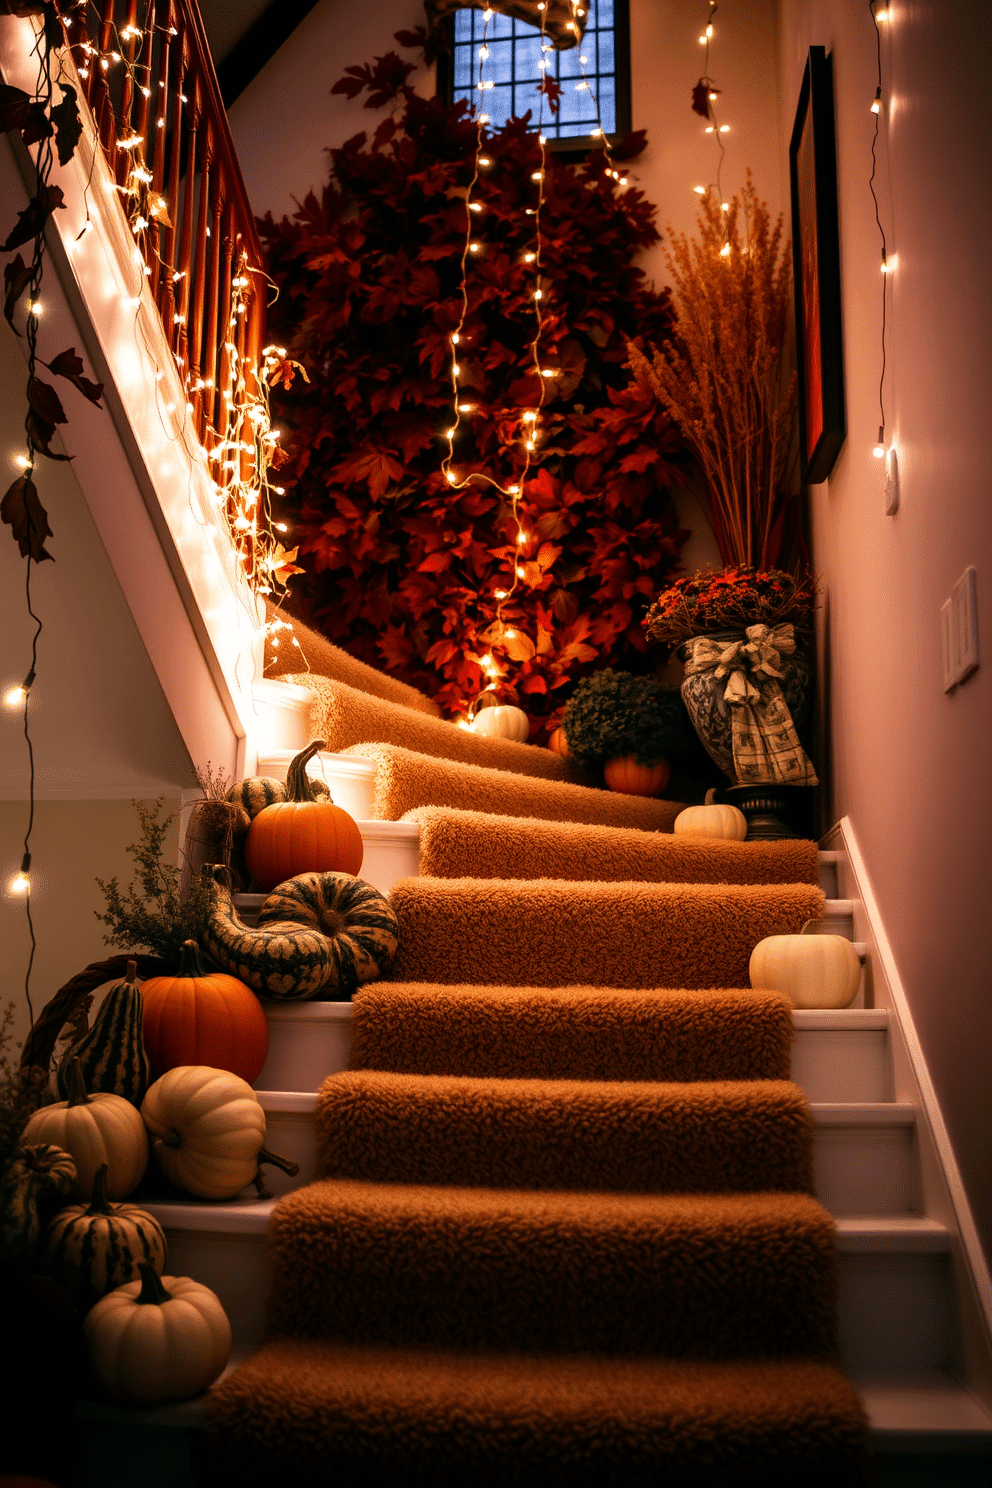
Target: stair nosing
861, 1114
889, 1234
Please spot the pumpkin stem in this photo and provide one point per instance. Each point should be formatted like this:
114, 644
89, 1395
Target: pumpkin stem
298, 787
152, 1289
77, 1087
99, 1203
286, 1163
190, 961
132, 972
810, 927
711, 796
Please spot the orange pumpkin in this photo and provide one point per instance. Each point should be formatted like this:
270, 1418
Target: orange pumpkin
201, 1017
628, 775
558, 744
303, 834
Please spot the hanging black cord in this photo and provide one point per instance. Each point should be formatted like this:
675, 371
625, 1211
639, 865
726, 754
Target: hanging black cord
878, 220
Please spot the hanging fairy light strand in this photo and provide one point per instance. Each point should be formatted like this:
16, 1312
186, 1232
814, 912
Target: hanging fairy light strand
705, 95
876, 109
239, 441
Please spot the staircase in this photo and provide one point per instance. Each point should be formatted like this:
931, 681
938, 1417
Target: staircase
901, 1325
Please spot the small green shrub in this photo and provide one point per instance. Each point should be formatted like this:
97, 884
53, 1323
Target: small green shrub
616, 713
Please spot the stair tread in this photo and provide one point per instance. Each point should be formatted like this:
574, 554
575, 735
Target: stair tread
497, 1418
891, 1234
921, 1403
825, 1019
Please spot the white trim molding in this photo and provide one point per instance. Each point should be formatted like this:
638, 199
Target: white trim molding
943, 1196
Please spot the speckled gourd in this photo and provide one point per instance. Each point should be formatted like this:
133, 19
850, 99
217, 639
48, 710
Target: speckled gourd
319, 934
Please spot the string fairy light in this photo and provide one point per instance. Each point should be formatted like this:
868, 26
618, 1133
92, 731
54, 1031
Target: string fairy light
241, 486
529, 419
704, 99
878, 450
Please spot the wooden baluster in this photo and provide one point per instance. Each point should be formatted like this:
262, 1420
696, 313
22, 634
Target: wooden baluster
160, 112
226, 338
211, 357
85, 64
130, 43
172, 193
104, 111
143, 118
185, 265
197, 360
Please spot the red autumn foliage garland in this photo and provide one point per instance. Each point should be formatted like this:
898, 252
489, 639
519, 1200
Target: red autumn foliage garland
400, 568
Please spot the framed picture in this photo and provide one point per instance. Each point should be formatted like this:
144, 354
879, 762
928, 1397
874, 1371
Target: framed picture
816, 270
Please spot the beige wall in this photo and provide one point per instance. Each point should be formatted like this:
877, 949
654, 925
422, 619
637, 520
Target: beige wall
911, 765
73, 844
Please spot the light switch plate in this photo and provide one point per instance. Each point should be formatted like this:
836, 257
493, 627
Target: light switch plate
947, 645
891, 481
964, 598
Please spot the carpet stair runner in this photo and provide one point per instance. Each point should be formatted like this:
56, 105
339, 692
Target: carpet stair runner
405, 779
563, 1233
345, 717
541, 932
473, 844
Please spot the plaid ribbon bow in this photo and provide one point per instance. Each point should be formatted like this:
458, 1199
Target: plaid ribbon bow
766, 746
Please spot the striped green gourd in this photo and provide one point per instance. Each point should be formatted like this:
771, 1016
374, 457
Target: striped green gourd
319, 934
37, 1175
261, 791
92, 1248
111, 1054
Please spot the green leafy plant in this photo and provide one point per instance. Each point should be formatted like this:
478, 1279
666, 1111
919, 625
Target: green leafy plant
403, 570
20, 1094
614, 713
152, 912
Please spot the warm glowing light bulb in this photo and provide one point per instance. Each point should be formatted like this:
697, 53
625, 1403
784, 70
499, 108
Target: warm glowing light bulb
699, 190
475, 206
499, 593
876, 107
35, 308
473, 247
724, 128
520, 572
521, 538
452, 478
466, 408
529, 444
539, 294
21, 884
513, 490
22, 462
484, 160
529, 257
455, 338
15, 696
450, 433
879, 449
709, 30
530, 418
725, 251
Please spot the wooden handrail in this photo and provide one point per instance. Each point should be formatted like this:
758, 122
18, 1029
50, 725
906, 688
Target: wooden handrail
147, 74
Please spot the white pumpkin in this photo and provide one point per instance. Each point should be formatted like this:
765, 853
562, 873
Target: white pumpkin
814, 971
207, 1129
158, 1338
94, 1129
502, 722
712, 821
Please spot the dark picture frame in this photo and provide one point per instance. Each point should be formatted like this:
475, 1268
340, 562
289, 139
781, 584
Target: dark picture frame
816, 272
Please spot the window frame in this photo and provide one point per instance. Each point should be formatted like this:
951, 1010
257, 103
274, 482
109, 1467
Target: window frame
571, 147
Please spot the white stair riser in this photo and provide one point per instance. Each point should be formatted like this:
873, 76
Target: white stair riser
851, 1065
858, 1170
848, 1065
864, 1169
303, 1050
236, 1267
294, 1136
828, 880
896, 1311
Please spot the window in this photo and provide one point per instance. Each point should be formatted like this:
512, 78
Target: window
512, 65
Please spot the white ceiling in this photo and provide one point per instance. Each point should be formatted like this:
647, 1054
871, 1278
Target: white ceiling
227, 21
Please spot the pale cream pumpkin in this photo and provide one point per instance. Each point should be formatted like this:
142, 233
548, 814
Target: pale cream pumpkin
94, 1129
814, 971
712, 820
158, 1338
207, 1130
502, 722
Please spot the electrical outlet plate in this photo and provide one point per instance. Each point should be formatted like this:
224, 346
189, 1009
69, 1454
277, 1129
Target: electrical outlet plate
891, 481
964, 598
